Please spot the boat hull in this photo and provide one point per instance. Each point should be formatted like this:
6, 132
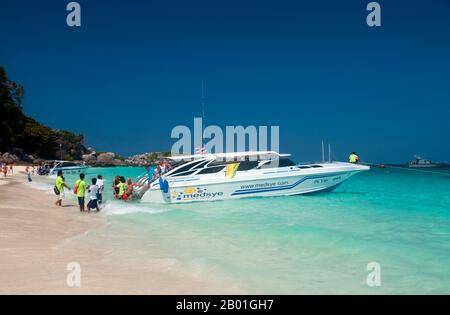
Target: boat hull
435, 165
68, 170
292, 183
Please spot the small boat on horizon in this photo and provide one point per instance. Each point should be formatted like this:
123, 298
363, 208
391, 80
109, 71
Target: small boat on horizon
223, 176
420, 162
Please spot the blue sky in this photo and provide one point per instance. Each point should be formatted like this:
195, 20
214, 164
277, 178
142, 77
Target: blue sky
133, 71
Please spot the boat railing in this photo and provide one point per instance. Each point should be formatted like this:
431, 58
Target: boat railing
142, 185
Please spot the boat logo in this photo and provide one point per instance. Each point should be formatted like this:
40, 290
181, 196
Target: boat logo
191, 193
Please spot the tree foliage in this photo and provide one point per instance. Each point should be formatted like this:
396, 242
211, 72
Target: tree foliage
19, 132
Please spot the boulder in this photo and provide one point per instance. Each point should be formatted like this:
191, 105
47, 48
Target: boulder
105, 159
117, 162
9, 158
89, 158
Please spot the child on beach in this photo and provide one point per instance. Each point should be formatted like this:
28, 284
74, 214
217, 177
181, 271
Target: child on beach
59, 187
93, 191
80, 189
101, 186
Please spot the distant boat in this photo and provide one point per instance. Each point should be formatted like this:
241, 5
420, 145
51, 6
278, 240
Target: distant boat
67, 168
419, 162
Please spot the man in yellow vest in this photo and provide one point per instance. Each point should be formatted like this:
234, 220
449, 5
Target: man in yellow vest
353, 158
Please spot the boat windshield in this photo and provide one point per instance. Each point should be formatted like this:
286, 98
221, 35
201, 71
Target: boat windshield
67, 164
212, 164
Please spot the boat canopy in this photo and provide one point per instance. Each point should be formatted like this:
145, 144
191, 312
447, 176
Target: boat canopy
228, 155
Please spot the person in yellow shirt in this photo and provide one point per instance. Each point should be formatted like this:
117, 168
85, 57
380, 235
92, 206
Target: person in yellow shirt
353, 158
60, 184
122, 187
80, 190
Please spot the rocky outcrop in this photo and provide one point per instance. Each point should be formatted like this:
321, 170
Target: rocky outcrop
146, 158
9, 158
119, 162
105, 159
90, 158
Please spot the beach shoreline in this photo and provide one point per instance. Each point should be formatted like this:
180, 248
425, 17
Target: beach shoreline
40, 241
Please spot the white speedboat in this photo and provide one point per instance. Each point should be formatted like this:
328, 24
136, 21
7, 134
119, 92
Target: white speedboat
419, 162
67, 168
236, 175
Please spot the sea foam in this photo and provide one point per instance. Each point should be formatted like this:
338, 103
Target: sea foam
113, 207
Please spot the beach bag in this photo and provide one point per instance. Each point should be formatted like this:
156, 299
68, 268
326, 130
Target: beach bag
56, 190
75, 189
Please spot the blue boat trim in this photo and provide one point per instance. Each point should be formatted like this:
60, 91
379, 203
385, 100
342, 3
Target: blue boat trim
258, 190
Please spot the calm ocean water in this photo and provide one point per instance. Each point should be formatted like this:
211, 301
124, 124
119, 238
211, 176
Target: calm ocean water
299, 244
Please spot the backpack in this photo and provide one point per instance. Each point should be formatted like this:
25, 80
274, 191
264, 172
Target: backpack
75, 189
56, 190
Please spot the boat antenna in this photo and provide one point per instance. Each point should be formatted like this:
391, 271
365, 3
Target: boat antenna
203, 113
203, 102
323, 153
329, 153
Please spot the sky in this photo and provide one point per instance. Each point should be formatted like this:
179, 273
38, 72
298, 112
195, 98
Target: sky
133, 71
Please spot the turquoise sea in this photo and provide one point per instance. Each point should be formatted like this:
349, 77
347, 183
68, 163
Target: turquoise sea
318, 243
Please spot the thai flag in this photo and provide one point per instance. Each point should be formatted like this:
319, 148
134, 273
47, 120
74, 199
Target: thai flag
200, 150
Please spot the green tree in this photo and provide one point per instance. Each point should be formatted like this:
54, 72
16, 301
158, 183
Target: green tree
21, 133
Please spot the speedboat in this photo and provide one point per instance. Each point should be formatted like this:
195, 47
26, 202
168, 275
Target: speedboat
223, 176
67, 168
419, 162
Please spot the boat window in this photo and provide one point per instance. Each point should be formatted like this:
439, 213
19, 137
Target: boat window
303, 166
67, 164
248, 165
216, 163
200, 165
185, 168
184, 173
211, 170
283, 162
316, 166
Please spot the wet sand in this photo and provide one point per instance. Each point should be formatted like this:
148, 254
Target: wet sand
38, 240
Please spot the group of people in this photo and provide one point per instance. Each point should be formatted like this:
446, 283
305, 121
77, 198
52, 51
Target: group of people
7, 169
155, 171
123, 189
94, 189
44, 168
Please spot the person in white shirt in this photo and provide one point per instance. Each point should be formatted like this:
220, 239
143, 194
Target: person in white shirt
93, 190
101, 186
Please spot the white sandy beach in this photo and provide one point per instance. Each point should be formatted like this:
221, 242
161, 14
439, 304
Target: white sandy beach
36, 247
